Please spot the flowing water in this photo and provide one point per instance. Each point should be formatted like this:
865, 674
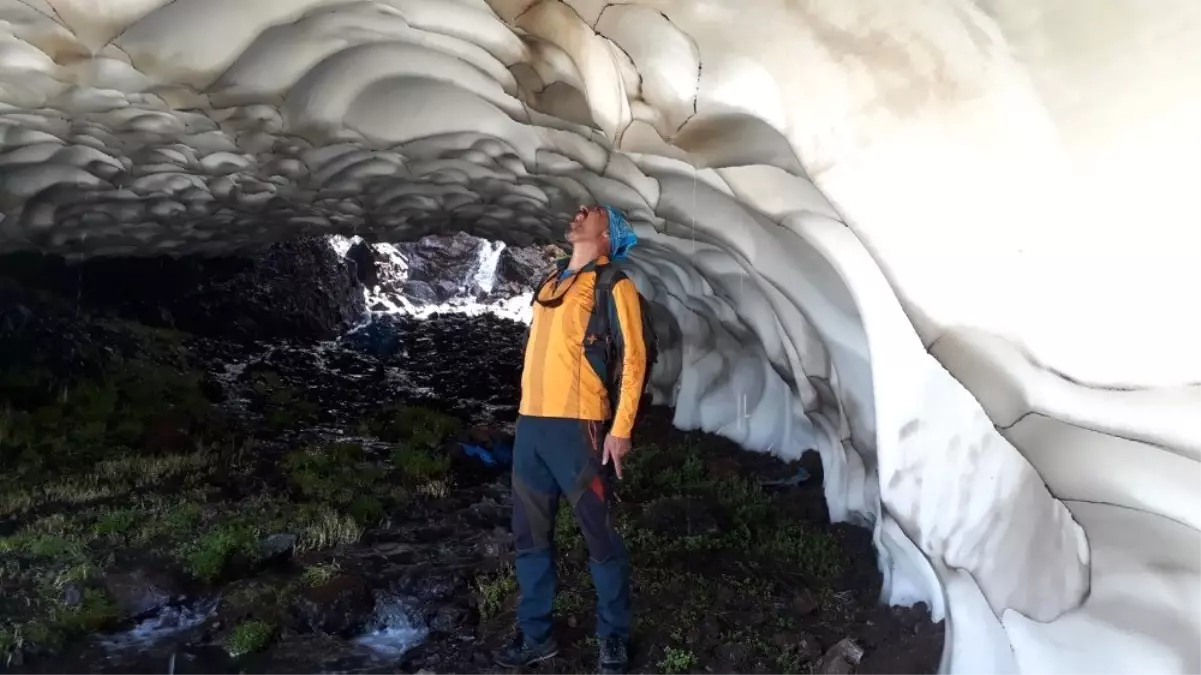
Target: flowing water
176, 640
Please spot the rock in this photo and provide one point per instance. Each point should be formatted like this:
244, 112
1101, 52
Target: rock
294, 289
522, 267
277, 547
419, 292
342, 606
362, 257
72, 594
841, 659
141, 591
447, 619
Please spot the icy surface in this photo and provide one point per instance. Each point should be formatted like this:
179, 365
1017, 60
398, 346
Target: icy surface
949, 245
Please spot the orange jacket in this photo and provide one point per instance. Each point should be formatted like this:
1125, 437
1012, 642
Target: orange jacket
564, 366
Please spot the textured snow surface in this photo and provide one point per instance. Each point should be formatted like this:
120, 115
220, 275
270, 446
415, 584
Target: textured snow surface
951, 246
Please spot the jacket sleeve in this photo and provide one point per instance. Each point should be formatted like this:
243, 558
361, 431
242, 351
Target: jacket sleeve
633, 363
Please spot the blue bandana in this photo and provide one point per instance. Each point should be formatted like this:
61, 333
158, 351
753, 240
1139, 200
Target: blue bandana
621, 235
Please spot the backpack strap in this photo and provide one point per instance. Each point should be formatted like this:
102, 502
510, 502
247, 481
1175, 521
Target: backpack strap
607, 275
546, 280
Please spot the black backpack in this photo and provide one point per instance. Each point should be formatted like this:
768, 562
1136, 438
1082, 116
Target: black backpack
607, 275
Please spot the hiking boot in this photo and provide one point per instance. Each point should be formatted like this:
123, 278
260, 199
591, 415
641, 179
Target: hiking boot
522, 652
613, 657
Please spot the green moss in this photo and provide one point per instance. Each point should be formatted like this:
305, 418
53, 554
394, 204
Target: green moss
207, 557
414, 427
366, 510
494, 591
249, 637
334, 473
677, 660
94, 612
420, 465
119, 522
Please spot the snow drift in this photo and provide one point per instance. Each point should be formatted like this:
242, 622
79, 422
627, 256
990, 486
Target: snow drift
949, 245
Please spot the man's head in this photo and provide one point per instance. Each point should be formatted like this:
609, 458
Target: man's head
590, 227
601, 230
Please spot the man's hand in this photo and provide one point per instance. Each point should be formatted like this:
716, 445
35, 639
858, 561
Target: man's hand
615, 449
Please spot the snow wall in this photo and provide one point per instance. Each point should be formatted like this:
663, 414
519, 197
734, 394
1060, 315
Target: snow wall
953, 246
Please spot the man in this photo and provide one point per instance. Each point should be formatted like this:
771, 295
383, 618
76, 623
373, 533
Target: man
561, 446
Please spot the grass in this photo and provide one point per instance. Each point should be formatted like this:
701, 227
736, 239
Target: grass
208, 557
494, 591
677, 660
249, 637
317, 575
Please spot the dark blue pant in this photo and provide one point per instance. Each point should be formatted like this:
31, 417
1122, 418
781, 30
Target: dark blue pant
554, 457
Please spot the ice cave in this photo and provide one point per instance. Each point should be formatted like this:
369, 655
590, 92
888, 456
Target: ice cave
952, 246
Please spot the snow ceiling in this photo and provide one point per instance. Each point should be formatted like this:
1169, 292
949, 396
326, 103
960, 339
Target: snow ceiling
953, 246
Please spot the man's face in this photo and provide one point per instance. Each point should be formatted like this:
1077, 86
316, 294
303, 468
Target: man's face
591, 224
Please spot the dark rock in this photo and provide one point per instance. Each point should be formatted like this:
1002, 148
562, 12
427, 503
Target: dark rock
341, 606
141, 591
521, 268
841, 659
364, 266
297, 289
277, 547
419, 292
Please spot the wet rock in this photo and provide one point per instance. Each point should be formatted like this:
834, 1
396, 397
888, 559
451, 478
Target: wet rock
141, 591
341, 606
841, 659
447, 619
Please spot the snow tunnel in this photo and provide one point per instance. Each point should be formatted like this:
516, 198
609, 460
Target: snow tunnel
952, 246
